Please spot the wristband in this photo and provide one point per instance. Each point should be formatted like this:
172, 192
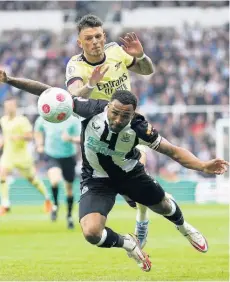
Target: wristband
142, 57
89, 86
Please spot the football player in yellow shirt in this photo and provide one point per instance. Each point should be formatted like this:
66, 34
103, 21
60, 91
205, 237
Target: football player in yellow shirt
97, 73
17, 131
100, 70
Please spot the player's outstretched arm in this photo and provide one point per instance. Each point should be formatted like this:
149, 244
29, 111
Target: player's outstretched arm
31, 86
187, 159
133, 47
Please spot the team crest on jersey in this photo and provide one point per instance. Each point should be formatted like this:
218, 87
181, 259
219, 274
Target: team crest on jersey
71, 69
117, 66
95, 126
126, 137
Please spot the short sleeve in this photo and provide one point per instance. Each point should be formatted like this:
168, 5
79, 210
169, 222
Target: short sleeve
75, 128
127, 59
146, 133
38, 126
87, 108
73, 71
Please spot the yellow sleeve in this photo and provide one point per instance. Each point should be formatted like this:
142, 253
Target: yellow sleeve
127, 59
73, 71
26, 126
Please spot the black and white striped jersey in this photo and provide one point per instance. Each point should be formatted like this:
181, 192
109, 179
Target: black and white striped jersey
109, 154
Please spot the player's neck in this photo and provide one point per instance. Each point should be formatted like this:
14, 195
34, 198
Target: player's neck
94, 59
11, 116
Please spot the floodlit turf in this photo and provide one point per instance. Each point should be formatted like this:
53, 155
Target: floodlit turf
33, 248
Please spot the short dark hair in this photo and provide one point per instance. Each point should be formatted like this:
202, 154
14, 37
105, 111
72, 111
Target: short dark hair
125, 97
88, 21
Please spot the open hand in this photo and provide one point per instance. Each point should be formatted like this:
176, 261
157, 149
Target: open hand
216, 166
132, 45
40, 149
97, 74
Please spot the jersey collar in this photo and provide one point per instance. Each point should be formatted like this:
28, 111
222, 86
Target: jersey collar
94, 64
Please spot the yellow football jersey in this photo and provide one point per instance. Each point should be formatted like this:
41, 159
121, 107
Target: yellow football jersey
19, 125
116, 78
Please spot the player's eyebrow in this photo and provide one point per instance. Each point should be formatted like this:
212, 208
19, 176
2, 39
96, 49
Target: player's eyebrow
121, 112
92, 35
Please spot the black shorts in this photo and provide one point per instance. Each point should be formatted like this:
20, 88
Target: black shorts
67, 166
98, 195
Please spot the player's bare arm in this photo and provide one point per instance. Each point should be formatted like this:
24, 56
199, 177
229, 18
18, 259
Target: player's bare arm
31, 86
27, 136
78, 89
187, 159
68, 138
133, 47
39, 141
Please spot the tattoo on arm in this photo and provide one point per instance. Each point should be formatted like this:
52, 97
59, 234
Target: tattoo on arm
144, 66
31, 86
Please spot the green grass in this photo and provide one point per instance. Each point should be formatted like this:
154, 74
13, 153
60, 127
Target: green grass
33, 248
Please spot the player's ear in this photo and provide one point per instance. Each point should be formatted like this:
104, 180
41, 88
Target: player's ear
79, 43
104, 37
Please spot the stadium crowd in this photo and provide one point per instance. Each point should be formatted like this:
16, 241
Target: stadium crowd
44, 5
191, 69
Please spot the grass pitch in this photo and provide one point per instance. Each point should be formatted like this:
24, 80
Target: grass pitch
33, 248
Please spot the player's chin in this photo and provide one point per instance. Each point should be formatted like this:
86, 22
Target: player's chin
116, 129
97, 52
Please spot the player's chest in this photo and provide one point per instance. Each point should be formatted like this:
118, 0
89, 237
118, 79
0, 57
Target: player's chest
100, 139
116, 69
11, 127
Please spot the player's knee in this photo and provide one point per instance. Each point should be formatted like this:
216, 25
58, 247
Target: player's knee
165, 205
92, 234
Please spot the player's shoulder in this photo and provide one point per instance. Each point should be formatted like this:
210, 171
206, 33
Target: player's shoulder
22, 119
3, 119
39, 119
142, 127
138, 121
111, 46
76, 59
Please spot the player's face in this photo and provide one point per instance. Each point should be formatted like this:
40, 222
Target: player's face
119, 115
10, 107
92, 41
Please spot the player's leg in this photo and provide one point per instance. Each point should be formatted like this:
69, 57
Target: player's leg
142, 218
5, 199
54, 174
29, 173
68, 172
97, 200
154, 197
171, 211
